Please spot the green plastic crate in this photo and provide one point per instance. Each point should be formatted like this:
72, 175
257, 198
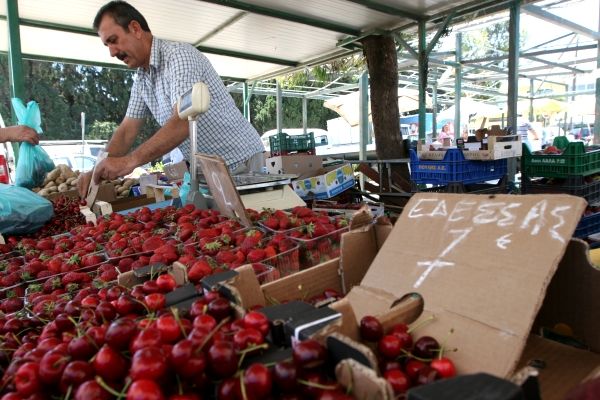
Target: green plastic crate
282, 144
574, 160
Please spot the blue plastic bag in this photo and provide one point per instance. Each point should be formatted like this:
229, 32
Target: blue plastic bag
22, 211
184, 189
34, 163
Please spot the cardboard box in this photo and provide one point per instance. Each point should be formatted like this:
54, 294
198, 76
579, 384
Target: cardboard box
304, 165
498, 147
327, 182
174, 172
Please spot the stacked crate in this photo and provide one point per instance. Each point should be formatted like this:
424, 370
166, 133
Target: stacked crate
283, 144
456, 174
574, 170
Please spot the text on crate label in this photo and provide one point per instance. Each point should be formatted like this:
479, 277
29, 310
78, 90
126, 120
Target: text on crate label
503, 214
433, 167
549, 160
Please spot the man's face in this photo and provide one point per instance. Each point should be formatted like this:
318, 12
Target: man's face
127, 46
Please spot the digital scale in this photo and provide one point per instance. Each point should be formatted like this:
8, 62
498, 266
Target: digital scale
231, 194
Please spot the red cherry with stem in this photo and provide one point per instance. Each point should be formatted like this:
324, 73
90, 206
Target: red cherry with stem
155, 301
229, 389
222, 359
166, 283
427, 375
370, 328
426, 347
390, 347
109, 364
52, 366
144, 389
398, 380
76, 372
198, 307
309, 354
91, 390
27, 380
150, 286
413, 367
257, 381
247, 337
119, 333
205, 321
444, 366
285, 375
81, 348
105, 312
219, 308
386, 365
149, 337
169, 328
405, 337
257, 320
148, 363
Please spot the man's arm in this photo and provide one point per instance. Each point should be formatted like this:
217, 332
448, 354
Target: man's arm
173, 133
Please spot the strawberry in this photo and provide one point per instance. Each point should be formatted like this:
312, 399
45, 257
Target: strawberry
52, 284
271, 223
256, 255
12, 304
199, 270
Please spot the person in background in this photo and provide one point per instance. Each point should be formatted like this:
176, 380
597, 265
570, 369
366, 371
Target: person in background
523, 129
445, 134
19, 133
165, 71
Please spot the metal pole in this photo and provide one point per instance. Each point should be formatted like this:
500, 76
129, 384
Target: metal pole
457, 85
513, 76
531, 100
82, 132
435, 108
597, 118
305, 115
246, 98
15, 62
363, 118
422, 80
279, 109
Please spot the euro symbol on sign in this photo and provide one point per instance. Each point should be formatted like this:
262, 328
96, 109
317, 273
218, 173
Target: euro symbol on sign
503, 241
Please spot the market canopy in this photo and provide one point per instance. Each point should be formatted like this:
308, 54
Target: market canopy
245, 40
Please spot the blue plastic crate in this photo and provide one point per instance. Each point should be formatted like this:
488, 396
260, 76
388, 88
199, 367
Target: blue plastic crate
587, 226
455, 168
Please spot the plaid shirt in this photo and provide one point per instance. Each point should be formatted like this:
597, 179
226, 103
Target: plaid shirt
174, 69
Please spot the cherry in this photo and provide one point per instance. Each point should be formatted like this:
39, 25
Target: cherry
149, 337
229, 389
26, 379
334, 394
105, 311
166, 283
444, 366
205, 321
109, 364
150, 286
426, 347
427, 375
257, 320
219, 308
198, 306
258, 381
412, 368
308, 354
76, 372
91, 390
370, 328
222, 359
81, 348
52, 366
120, 332
390, 347
398, 380
148, 363
285, 375
168, 327
247, 337
155, 301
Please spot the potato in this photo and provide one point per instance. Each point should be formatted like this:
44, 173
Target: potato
70, 180
63, 187
49, 184
124, 191
128, 182
52, 175
52, 189
60, 180
43, 192
74, 182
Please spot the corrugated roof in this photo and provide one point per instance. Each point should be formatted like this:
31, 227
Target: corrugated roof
243, 39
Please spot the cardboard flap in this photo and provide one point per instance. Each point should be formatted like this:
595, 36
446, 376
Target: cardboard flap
363, 382
245, 287
574, 287
482, 264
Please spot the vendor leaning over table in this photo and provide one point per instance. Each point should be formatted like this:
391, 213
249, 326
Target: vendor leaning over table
19, 133
165, 71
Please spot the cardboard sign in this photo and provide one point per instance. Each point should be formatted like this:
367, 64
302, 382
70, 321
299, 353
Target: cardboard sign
482, 264
222, 188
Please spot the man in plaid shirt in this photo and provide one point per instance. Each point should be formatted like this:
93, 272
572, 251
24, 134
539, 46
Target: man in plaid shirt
165, 71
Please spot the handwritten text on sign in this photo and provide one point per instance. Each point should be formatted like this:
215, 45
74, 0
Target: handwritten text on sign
538, 217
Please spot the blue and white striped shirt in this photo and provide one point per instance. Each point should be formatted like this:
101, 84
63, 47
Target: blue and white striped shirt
174, 69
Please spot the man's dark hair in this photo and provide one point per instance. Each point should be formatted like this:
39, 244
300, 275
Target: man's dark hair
123, 13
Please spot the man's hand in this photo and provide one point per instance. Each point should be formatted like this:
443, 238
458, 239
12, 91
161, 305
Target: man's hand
83, 183
113, 167
22, 133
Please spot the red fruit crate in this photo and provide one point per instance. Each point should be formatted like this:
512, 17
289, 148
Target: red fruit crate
317, 249
287, 259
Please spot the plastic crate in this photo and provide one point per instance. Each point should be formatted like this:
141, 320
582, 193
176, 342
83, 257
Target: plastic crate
459, 187
455, 168
282, 144
574, 185
574, 160
587, 226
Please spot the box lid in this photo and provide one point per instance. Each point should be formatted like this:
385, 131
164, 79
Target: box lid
482, 265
